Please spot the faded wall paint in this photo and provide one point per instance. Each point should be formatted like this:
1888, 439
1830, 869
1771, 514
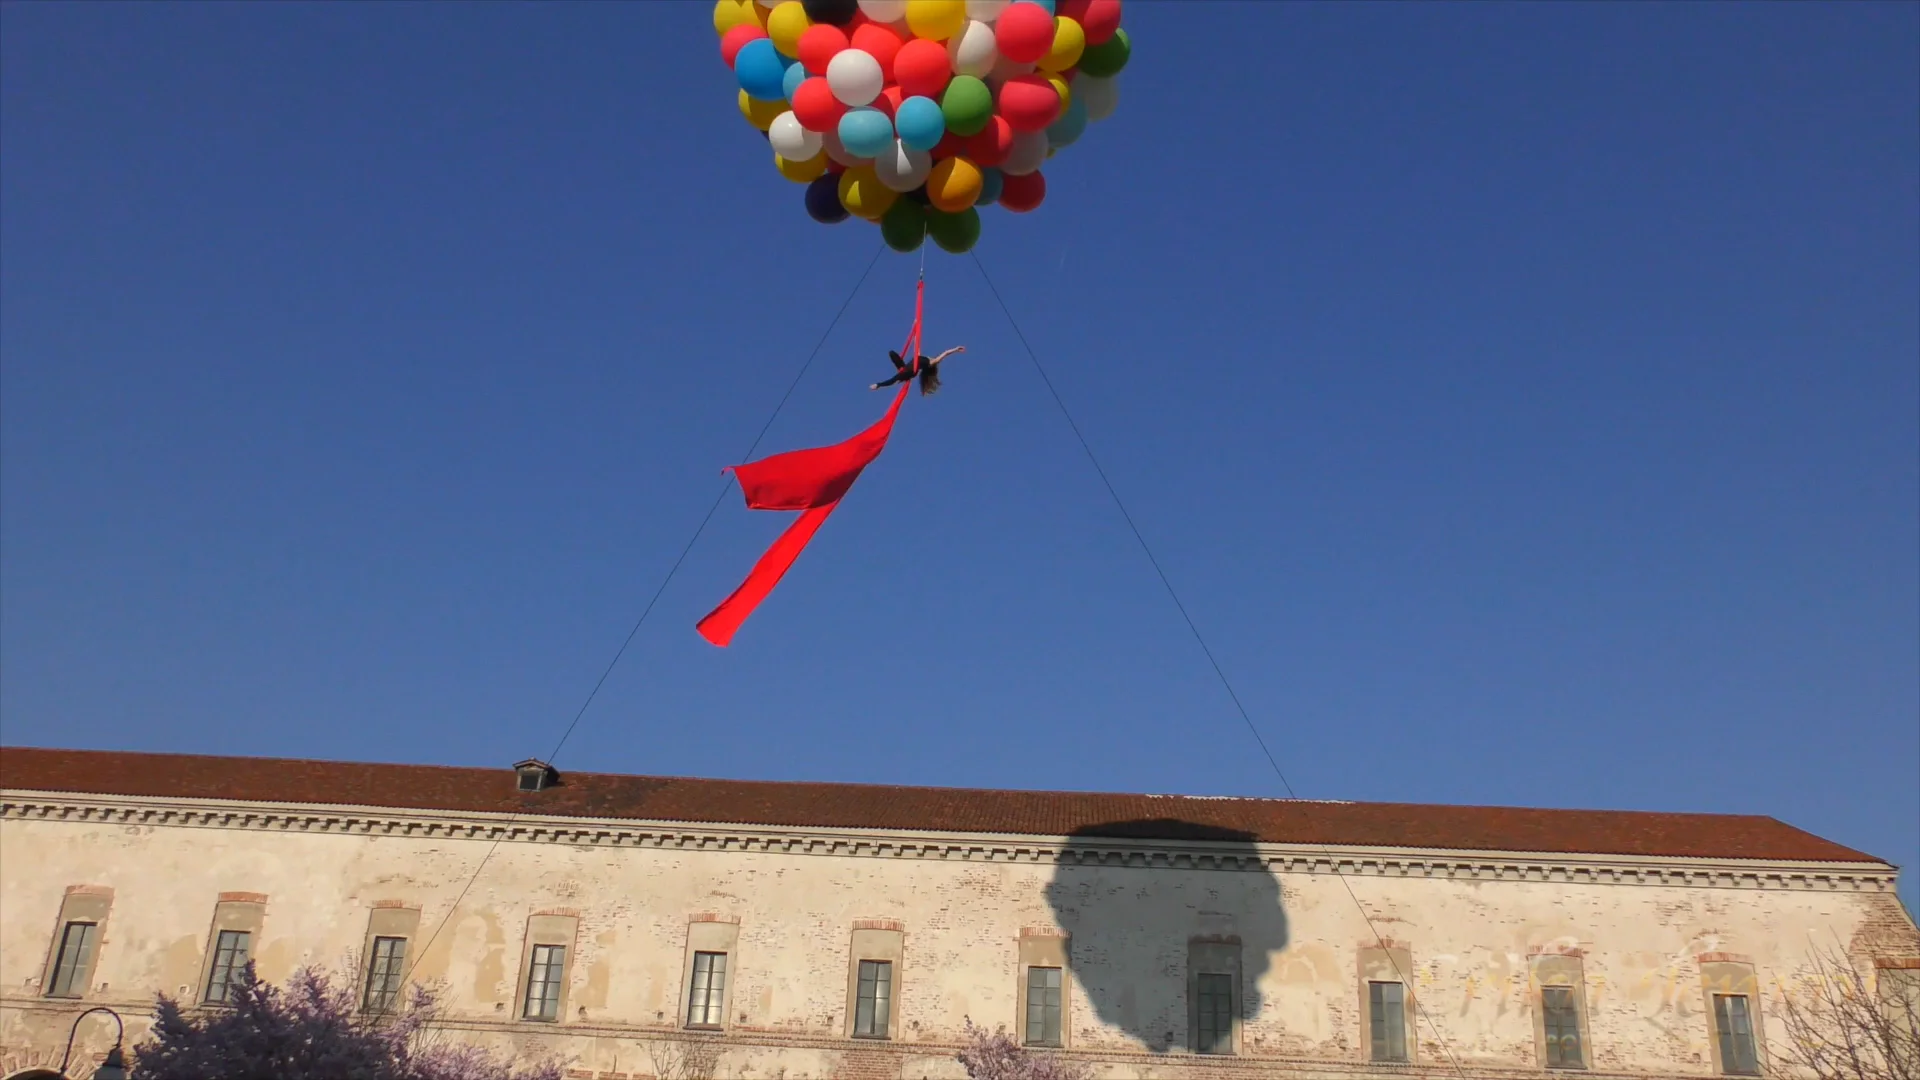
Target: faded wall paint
1468, 944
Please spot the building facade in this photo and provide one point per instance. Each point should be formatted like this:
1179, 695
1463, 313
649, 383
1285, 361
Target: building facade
650, 927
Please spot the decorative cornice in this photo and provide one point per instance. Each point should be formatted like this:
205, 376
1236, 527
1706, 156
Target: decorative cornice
1301, 859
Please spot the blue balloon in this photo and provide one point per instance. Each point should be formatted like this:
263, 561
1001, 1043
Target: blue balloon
760, 71
920, 123
823, 200
795, 76
1048, 4
1071, 125
865, 131
992, 181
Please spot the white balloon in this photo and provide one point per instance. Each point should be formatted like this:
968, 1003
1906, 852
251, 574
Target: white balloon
1004, 69
986, 10
837, 151
1101, 95
1028, 153
768, 4
884, 11
972, 50
790, 140
855, 77
902, 168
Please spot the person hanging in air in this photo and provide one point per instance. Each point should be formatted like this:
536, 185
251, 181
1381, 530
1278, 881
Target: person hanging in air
927, 370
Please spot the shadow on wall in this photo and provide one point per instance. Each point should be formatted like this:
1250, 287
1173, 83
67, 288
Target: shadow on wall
1149, 905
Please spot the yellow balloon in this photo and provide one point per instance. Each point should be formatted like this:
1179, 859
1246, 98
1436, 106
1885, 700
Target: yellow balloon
954, 184
759, 113
1065, 89
862, 193
1069, 41
728, 14
801, 172
936, 20
785, 24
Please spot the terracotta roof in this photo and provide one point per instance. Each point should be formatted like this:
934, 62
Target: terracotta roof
869, 806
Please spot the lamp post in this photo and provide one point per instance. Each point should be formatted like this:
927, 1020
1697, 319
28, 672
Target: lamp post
114, 1067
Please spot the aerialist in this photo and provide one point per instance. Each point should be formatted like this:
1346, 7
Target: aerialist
927, 370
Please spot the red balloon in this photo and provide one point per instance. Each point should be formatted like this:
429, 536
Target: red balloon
1024, 33
922, 68
889, 100
992, 144
880, 42
815, 105
1029, 102
950, 145
1099, 18
1022, 193
736, 39
819, 44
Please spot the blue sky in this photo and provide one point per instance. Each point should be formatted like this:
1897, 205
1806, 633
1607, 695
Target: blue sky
1523, 399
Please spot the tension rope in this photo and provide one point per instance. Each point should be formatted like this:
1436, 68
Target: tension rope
1199, 638
672, 571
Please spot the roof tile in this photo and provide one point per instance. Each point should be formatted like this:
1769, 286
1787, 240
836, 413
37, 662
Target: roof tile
873, 806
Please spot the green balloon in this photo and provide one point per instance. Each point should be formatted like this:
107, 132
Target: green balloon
968, 105
904, 226
955, 232
1104, 61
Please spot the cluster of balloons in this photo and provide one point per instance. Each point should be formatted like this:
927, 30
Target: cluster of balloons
912, 114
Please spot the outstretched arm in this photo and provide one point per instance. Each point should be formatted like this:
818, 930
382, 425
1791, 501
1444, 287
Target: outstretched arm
944, 355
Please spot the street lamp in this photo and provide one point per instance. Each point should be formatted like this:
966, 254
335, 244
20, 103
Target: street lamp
114, 1067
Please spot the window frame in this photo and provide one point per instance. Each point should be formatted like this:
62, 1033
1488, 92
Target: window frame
1387, 961
1222, 998
222, 973
1732, 975
711, 1000
1058, 992
882, 978
389, 975
1560, 969
1569, 1018
1723, 1032
547, 930
875, 940
709, 932
76, 972
1215, 955
1044, 947
1380, 1026
89, 904
241, 912
549, 961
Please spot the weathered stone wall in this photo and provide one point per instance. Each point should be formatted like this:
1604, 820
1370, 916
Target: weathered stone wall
1469, 941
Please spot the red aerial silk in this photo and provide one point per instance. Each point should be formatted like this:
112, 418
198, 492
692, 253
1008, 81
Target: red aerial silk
811, 481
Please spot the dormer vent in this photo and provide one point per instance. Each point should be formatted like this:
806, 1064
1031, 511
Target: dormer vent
536, 775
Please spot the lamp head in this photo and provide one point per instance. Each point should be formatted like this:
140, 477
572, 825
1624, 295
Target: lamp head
113, 1068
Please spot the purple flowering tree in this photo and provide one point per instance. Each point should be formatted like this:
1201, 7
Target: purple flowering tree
995, 1056
310, 1031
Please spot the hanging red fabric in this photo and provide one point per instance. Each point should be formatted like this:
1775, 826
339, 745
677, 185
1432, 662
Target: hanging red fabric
812, 481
